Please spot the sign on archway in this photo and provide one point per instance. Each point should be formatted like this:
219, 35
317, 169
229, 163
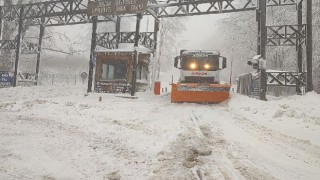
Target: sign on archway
116, 7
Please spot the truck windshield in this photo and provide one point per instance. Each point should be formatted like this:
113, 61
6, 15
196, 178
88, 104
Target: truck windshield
209, 63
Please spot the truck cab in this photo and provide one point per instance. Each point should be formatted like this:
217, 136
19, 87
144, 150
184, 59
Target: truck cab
199, 78
199, 66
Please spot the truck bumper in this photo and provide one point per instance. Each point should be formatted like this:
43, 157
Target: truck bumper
197, 93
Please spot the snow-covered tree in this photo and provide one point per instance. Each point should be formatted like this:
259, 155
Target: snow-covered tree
239, 31
168, 43
31, 34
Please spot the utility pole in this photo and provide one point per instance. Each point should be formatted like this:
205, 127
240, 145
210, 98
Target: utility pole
231, 71
1, 22
231, 63
136, 55
118, 26
92, 52
42, 29
262, 8
309, 46
155, 53
299, 45
18, 50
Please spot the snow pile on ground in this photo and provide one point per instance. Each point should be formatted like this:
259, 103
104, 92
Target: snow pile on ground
298, 116
59, 132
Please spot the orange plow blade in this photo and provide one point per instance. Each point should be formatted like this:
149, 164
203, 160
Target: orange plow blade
196, 93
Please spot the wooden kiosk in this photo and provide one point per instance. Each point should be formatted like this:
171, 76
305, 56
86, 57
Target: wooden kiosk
113, 73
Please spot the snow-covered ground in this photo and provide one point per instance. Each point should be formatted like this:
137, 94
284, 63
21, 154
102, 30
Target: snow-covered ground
56, 132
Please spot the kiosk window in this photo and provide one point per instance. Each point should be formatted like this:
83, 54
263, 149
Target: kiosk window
114, 70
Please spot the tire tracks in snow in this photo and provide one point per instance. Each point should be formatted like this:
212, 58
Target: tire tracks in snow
200, 152
240, 164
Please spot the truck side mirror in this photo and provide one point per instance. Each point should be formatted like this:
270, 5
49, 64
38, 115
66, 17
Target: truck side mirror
176, 61
224, 62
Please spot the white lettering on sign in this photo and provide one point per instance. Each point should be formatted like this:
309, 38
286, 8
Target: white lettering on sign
199, 73
102, 10
104, 3
200, 55
113, 7
125, 2
137, 7
5, 83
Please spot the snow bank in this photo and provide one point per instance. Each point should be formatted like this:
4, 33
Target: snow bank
299, 116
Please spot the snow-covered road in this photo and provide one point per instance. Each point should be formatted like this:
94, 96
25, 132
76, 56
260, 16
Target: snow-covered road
58, 133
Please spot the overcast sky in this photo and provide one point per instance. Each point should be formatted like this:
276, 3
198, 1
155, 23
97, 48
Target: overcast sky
199, 29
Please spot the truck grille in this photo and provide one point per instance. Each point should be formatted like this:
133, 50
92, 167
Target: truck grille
190, 79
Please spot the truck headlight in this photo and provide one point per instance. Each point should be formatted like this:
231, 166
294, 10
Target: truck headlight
207, 66
193, 65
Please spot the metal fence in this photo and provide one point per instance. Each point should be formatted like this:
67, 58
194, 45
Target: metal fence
279, 83
44, 78
50, 78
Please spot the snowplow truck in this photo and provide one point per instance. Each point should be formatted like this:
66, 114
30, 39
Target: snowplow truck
199, 78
